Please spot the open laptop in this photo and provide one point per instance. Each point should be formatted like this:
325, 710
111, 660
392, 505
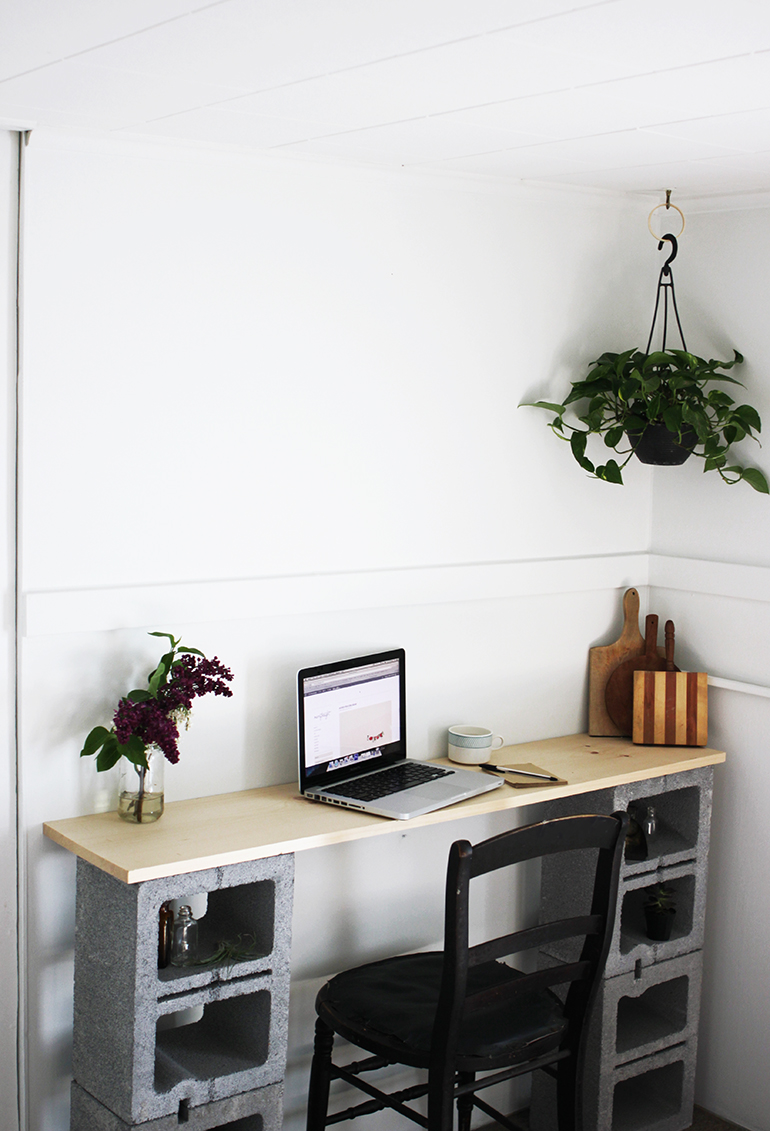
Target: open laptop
351, 718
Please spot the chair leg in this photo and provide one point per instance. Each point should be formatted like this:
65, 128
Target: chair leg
465, 1103
320, 1077
566, 1095
441, 1098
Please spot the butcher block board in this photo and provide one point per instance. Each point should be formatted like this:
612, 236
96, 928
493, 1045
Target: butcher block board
670, 708
604, 658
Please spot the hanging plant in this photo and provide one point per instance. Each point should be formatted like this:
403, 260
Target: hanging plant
629, 397
657, 405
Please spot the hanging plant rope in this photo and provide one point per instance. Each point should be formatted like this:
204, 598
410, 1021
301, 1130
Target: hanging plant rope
658, 403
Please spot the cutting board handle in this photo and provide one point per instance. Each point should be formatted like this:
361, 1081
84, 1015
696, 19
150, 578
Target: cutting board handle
670, 646
651, 637
630, 616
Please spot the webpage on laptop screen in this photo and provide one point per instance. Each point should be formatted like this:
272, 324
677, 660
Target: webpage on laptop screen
350, 716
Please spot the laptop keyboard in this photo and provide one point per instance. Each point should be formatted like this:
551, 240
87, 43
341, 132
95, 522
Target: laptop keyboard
389, 781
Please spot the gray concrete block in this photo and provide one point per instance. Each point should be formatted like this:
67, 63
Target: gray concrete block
120, 1057
643, 1035
683, 806
630, 945
257, 1110
680, 856
655, 1093
637, 1015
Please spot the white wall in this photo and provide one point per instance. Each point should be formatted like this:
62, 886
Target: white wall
722, 615
212, 345
8, 949
297, 384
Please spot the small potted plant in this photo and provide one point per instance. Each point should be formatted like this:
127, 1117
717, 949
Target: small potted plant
145, 726
659, 911
661, 406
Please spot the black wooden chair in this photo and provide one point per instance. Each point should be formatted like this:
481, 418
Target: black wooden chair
461, 1012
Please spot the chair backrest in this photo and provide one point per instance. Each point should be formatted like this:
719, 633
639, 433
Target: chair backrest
593, 930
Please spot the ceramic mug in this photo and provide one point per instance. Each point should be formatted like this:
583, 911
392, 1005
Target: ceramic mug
472, 745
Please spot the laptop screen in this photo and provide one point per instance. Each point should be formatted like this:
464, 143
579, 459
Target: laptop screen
351, 717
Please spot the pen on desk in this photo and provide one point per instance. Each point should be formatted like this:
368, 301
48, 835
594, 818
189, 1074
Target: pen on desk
510, 770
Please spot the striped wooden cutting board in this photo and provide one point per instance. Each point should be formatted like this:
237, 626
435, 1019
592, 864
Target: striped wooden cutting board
670, 708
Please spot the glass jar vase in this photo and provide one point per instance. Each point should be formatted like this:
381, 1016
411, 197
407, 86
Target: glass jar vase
141, 790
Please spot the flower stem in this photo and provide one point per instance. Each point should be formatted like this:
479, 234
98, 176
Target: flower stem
140, 795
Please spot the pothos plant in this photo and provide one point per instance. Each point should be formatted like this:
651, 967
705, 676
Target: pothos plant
625, 394
660, 899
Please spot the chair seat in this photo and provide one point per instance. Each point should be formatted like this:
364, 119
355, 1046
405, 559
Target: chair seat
397, 999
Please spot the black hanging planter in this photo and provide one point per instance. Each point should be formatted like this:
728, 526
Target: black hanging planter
659, 446
629, 399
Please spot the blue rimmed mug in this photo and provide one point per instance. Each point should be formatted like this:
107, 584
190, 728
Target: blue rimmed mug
472, 745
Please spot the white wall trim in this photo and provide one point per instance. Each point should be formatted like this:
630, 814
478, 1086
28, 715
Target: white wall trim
93, 610
717, 579
737, 685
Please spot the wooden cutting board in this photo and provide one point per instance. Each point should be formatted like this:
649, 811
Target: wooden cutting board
670, 708
619, 693
602, 661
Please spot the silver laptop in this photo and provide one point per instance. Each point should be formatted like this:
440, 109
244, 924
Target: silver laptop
351, 720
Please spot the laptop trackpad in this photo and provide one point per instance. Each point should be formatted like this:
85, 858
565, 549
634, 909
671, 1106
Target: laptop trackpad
442, 788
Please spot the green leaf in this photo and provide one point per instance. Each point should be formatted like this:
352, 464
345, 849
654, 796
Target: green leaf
167, 635
613, 437
135, 751
193, 651
138, 695
756, 479
610, 472
578, 444
108, 755
712, 462
749, 417
96, 739
672, 418
157, 678
656, 358
549, 406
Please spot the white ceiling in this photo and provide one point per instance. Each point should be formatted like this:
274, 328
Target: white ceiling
623, 95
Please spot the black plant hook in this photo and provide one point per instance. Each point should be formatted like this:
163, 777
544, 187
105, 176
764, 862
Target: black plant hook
666, 269
666, 284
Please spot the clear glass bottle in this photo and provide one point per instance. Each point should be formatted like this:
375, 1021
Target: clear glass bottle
184, 939
141, 790
650, 827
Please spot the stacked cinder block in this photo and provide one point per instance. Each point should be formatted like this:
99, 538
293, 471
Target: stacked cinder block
259, 1110
643, 1038
133, 1066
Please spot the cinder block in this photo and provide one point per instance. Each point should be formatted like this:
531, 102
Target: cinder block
630, 945
636, 1016
120, 1057
640, 1064
655, 1093
258, 1110
679, 856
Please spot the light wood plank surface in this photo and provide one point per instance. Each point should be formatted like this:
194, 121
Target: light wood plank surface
228, 828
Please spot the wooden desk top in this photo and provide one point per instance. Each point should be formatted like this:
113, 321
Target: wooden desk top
228, 828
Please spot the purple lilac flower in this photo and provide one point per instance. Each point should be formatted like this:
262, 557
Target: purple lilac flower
152, 719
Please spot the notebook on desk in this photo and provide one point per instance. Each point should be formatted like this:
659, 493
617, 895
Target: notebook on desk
351, 723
